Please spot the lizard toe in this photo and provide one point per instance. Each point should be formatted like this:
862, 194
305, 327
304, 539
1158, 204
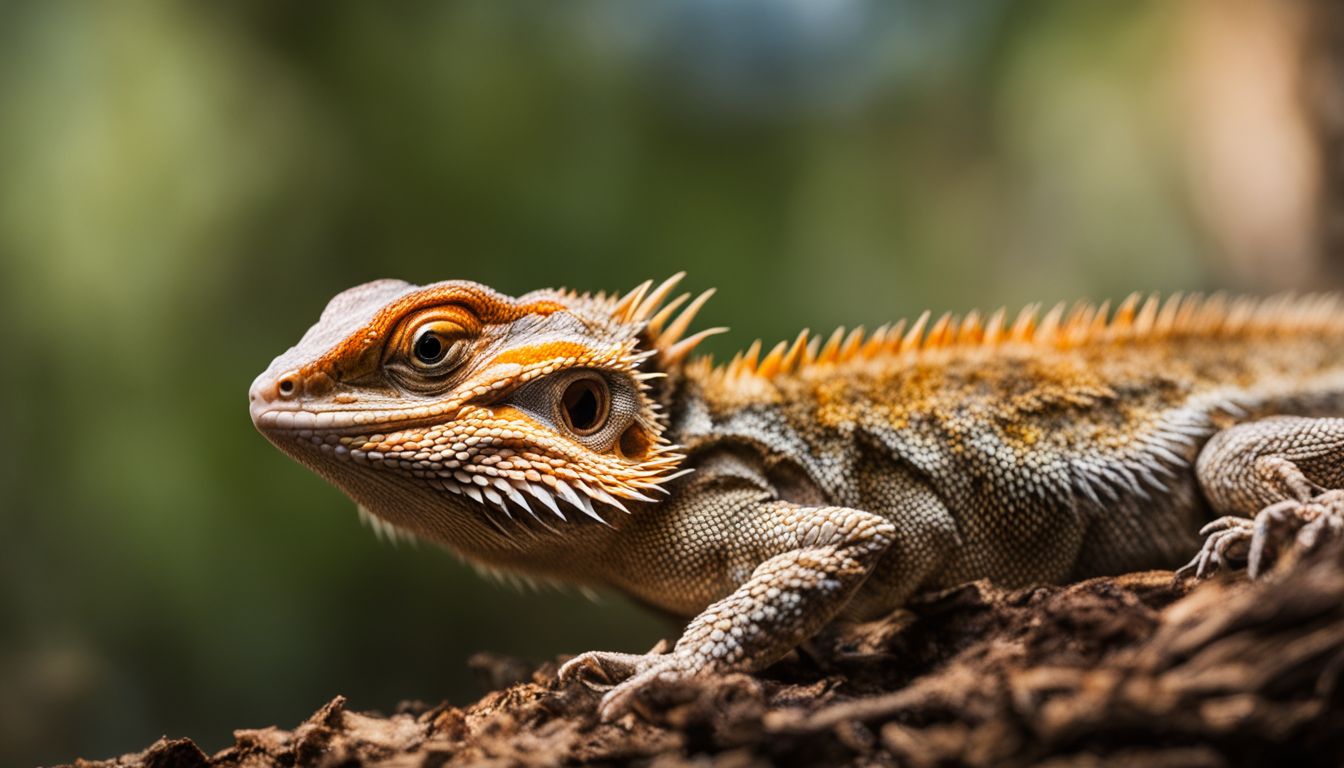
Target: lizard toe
1227, 543
1285, 528
601, 670
623, 698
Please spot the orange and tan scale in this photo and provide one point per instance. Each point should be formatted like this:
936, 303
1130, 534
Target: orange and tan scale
571, 437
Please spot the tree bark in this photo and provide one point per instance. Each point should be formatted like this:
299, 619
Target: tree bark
1133, 670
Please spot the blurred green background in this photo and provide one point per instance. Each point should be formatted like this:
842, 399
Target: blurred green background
183, 186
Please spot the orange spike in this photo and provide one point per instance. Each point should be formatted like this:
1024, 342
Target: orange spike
1078, 324
1185, 317
1212, 315
1143, 322
1123, 322
1278, 312
1292, 309
994, 327
913, 338
1078, 315
894, 337
1024, 327
626, 306
938, 333
1100, 320
851, 345
734, 367
1299, 311
751, 359
1272, 311
812, 350
795, 353
876, 342
971, 330
678, 327
701, 366
677, 352
830, 351
1166, 317
770, 365
655, 324
655, 299
1048, 331
1240, 316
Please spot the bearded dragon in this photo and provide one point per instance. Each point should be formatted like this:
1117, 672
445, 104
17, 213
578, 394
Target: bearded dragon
570, 436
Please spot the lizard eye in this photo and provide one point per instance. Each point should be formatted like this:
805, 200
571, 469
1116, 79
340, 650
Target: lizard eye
429, 348
585, 404
436, 345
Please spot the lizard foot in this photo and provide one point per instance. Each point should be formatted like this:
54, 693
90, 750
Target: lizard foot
1286, 526
600, 671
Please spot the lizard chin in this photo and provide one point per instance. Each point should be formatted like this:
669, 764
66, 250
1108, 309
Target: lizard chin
393, 508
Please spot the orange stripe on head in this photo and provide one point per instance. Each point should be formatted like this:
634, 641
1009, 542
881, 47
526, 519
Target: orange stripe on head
362, 349
551, 350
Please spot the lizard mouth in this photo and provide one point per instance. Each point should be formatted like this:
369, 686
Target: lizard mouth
307, 434
276, 410
272, 419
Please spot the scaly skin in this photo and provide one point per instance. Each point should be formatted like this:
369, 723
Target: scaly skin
568, 437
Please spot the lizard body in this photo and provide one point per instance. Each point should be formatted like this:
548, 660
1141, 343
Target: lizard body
570, 437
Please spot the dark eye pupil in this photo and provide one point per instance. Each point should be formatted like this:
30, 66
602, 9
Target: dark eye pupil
429, 348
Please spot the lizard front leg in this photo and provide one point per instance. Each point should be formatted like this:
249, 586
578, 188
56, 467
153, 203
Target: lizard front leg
1279, 482
818, 557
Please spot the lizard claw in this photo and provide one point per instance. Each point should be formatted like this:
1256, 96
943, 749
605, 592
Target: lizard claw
599, 670
1227, 541
622, 698
1278, 528
621, 676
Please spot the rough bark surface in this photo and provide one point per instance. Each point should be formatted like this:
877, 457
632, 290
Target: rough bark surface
1134, 670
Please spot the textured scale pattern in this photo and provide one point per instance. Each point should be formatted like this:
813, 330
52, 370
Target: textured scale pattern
571, 437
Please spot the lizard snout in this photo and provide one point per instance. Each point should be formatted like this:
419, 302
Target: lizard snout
268, 389
285, 400
270, 393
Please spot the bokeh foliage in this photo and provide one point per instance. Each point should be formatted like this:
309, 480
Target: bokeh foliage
182, 187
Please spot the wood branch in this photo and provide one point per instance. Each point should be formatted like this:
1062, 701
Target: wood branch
1134, 670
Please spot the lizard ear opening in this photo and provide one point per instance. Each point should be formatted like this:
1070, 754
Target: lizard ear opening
635, 443
585, 405
591, 407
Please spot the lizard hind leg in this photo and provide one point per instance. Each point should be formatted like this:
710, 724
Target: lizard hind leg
1279, 483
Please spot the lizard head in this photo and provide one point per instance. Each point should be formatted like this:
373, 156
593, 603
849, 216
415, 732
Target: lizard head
458, 413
